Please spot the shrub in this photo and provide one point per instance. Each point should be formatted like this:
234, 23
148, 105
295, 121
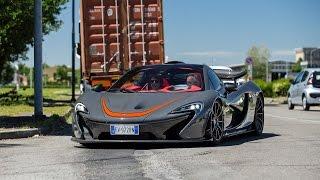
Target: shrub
276, 88
281, 87
265, 87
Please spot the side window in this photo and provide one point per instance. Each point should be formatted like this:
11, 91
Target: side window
298, 78
305, 75
214, 79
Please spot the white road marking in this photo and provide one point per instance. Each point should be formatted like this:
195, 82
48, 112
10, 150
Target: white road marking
156, 167
306, 121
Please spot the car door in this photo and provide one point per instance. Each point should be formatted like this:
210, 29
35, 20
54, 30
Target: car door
301, 86
217, 85
294, 92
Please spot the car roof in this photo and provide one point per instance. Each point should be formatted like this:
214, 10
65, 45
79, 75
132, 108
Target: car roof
177, 65
311, 69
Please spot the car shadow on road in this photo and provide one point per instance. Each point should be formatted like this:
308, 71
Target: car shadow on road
311, 110
232, 141
245, 138
5, 145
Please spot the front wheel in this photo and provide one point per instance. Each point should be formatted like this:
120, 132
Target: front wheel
259, 116
217, 122
290, 105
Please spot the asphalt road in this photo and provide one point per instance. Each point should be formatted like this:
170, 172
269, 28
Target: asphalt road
288, 149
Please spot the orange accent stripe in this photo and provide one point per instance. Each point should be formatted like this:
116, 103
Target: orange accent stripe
108, 112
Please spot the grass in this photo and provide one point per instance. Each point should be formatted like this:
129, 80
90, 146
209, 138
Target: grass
24, 109
21, 107
48, 93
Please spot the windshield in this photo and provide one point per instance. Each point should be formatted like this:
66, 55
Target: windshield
164, 79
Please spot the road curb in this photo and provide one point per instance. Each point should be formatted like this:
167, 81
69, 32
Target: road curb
18, 133
275, 101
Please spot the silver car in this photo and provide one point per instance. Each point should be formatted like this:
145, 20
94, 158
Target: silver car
305, 89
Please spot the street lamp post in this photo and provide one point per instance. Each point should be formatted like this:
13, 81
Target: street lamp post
267, 70
38, 99
287, 69
73, 77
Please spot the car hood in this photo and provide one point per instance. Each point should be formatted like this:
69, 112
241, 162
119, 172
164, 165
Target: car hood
138, 106
138, 102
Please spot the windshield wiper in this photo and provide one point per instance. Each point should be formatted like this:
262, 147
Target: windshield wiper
123, 90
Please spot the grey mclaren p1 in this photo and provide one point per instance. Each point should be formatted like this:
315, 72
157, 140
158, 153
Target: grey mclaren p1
169, 103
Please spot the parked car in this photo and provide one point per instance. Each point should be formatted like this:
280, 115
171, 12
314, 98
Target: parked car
305, 89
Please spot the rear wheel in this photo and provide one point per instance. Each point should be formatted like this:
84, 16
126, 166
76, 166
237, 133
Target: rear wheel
217, 123
290, 105
259, 116
305, 105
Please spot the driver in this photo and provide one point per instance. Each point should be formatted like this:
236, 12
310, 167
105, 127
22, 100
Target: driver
155, 83
192, 82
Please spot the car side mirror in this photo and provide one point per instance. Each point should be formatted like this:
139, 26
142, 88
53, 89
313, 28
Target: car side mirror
291, 81
230, 87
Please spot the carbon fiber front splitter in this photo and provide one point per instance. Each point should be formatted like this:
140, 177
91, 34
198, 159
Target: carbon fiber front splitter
82, 141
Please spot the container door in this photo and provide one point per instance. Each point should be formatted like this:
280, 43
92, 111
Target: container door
145, 32
101, 37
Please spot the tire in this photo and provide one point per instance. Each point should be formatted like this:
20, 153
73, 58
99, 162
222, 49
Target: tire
290, 105
258, 122
305, 105
217, 122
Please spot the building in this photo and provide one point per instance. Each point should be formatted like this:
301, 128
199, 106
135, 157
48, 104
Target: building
280, 69
49, 72
310, 57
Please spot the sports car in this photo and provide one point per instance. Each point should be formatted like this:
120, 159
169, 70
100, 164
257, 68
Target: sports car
169, 103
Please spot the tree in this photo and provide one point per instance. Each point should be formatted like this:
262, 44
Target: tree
62, 73
297, 66
260, 56
78, 74
16, 30
7, 73
45, 66
23, 69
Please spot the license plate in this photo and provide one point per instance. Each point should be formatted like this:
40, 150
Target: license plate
124, 129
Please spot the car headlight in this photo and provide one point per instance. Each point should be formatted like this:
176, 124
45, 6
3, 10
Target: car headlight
196, 107
81, 108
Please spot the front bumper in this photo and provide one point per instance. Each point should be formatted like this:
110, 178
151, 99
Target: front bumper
178, 128
94, 141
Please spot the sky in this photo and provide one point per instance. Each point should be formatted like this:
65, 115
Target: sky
216, 32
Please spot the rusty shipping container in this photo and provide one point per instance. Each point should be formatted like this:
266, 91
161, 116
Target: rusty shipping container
117, 35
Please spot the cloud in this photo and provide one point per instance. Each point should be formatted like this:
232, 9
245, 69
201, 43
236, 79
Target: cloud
212, 54
283, 53
229, 54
